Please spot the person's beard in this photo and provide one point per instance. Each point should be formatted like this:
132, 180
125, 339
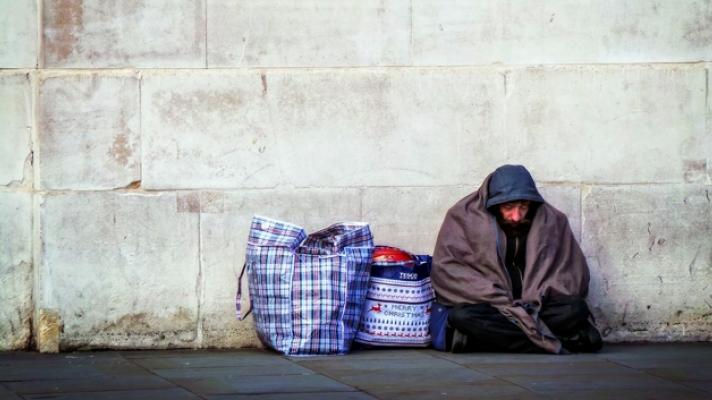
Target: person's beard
515, 228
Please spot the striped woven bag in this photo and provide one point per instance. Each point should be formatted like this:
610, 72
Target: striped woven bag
307, 291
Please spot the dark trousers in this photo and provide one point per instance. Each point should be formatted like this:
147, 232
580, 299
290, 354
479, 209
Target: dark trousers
480, 327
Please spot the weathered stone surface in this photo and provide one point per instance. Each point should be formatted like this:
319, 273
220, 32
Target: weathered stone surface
395, 127
321, 128
15, 269
89, 132
567, 199
633, 124
15, 126
18, 34
410, 218
49, 331
121, 268
308, 33
207, 129
650, 254
225, 224
561, 32
110, 34
708, 143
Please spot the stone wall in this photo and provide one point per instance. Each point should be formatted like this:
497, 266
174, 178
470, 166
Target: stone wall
137, 139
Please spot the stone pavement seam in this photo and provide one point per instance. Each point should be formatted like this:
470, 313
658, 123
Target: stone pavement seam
132, 361
438, 355
356, 388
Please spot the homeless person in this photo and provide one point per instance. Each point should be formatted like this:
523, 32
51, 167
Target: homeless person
508, 265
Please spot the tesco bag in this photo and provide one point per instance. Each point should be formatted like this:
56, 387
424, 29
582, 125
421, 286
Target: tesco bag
399, 300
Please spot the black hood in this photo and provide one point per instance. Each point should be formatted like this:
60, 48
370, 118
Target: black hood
512, 183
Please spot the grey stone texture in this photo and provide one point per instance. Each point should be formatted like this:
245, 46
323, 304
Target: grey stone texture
121, 268
206, 130
307, 33
89, 132
15, 270
629, 124
319, 128
114, 34
651, 260
18, 34
678, 371
561, 32
15, 126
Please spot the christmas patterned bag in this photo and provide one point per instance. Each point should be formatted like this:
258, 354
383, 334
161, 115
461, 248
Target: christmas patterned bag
399, 300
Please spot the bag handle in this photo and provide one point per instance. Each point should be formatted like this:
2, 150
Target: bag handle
238, 299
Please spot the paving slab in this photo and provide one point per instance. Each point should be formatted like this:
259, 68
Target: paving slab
555, 382
488, 390
634, 394
233, 359
630, 371
231, 372
262, 384
8, 395
549, 369
88, 384
492, 358
144, 394
295, 396
705, 386
395, 374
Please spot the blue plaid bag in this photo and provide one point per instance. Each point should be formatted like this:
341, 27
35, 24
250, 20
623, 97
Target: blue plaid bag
307, 291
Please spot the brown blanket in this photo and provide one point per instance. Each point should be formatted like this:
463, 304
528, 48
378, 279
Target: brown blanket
468, 264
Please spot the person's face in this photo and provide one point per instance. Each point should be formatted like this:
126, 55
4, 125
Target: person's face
514, 212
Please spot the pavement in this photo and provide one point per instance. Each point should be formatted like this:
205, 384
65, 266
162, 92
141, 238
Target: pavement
621, 371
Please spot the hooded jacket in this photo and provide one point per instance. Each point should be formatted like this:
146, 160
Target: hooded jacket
468, 261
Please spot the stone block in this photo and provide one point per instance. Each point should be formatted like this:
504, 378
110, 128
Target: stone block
18, 34
394, 127
631, 124
560, 32
15, 126
89, 132
207, 130
112, 34
409, 218
276, 33
650, 254
15, 270
567, 199
320, 128
50, 328
121, 268
225, 224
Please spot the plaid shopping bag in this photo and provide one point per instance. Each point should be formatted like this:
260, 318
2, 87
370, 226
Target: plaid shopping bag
307, 291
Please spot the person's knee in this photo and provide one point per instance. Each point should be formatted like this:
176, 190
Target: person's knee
579, 309
574, 307
462, 314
